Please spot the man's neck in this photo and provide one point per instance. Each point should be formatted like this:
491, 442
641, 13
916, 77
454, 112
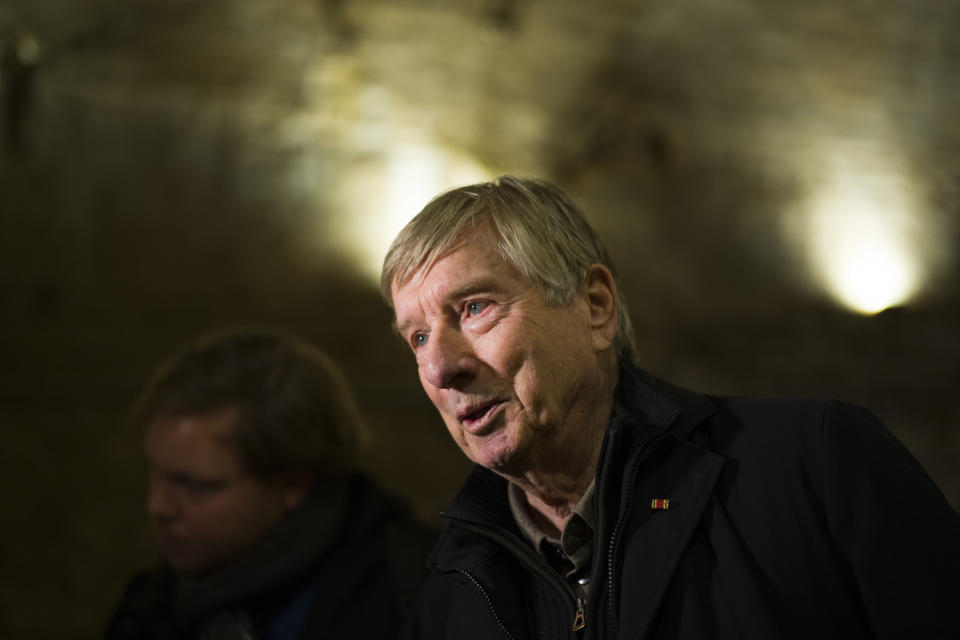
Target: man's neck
551, 498
553, 492
554, 483
550, 517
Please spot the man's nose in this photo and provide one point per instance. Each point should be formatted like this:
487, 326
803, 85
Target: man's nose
447, 360
161, 504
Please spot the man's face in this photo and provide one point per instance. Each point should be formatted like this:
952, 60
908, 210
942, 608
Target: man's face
513, 377
204, 506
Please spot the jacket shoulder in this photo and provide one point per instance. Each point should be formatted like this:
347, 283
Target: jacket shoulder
778, 427
783, 428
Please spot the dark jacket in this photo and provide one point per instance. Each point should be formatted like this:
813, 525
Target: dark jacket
786, 519
346, 564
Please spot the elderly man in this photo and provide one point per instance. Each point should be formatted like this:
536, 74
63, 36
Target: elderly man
609, 504
266, 528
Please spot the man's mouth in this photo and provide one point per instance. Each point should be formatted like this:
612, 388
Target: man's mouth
171, 543
476, 417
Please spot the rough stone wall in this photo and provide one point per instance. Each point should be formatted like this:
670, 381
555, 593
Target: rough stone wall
171, 167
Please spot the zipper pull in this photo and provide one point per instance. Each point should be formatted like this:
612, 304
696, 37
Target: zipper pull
579, 620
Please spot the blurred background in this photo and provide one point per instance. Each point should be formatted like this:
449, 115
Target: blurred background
778, 182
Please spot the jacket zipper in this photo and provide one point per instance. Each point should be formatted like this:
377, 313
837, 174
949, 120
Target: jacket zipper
579, 619
622, 516
488, 599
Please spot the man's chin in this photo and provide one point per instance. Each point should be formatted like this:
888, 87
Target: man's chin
189, 564
183, 566
501, 457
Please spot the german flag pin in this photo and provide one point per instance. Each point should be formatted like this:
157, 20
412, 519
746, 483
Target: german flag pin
660, 504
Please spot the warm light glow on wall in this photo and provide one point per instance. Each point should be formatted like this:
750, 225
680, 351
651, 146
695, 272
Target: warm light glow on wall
864, 235
379, 200
372, 163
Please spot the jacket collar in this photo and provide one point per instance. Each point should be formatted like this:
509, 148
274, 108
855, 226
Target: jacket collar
645, 540
482, 504
655, 401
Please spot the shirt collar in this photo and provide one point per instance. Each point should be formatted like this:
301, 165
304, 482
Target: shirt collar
577, 530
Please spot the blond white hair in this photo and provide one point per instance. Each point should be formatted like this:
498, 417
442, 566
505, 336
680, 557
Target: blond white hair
539, 230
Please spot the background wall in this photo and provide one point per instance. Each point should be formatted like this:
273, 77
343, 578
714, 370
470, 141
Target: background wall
759, 169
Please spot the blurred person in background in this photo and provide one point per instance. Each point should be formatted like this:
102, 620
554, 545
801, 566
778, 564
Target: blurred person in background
266, 527
606, 503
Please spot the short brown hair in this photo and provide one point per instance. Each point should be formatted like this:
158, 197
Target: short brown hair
540, 232
295, 411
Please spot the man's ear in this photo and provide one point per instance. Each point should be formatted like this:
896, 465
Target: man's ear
295, 486
601, 297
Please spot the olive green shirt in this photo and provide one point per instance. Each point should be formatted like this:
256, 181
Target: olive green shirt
572, 554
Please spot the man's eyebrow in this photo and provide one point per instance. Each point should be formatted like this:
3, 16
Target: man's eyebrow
472, 287
465, 290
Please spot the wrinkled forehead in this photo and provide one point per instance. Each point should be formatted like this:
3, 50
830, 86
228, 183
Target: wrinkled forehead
477, 232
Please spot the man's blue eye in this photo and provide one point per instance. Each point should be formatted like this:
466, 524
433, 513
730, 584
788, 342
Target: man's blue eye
474, 308
420, 339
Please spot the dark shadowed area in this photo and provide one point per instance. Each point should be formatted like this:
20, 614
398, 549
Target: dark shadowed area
777, 181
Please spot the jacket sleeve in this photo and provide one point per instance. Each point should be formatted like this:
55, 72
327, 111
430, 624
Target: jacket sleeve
896, 529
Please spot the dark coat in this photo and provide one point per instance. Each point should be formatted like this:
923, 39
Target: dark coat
347, 564
786, 519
